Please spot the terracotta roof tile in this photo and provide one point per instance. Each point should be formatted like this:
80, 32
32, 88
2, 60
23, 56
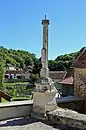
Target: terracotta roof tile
68, 80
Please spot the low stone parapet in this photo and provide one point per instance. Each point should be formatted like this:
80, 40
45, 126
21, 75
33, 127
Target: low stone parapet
15, 109
75, 103
67, 117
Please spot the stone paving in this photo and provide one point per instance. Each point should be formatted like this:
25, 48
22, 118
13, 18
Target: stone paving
25, 124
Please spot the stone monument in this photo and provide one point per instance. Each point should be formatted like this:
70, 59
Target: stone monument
45, 91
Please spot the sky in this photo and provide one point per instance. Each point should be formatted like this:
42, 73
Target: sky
20, 25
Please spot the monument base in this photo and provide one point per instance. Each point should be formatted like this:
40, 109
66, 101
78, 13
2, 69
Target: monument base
43, 103
44, 85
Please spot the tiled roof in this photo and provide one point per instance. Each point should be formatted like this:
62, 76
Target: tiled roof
68, 80
57, 75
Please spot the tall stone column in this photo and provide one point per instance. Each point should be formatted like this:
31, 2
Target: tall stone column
44, 52
45, 91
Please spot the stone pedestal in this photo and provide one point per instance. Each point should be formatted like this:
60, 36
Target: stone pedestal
43, 102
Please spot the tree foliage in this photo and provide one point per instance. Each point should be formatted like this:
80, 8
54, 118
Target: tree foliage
2, 71
21, 58
33, 79
66, 60
28, 61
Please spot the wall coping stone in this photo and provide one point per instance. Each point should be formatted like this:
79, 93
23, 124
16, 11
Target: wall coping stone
70, 99
16, 103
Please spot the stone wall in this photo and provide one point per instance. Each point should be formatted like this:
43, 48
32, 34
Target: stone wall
15, 109
75, 103
67, 117
77, 106
80, 82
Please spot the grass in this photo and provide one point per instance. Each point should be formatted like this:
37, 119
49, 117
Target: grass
3, 100
17, 88
17, 99
21, 98
10, 84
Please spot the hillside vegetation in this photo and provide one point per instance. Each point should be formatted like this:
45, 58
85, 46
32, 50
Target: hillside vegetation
21, 58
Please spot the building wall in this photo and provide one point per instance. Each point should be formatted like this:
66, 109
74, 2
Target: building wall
16, 76
10, 68
79, 81
58, 86
67, 90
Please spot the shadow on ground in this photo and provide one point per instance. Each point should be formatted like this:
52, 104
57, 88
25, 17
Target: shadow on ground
28, 120
18, 122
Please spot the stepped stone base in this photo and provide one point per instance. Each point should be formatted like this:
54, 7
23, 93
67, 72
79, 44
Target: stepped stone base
45, 85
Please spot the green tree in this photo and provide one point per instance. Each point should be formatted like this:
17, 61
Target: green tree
21, 64
28, 61
21, 58
33, 79
2, 72
67, 59
37, 66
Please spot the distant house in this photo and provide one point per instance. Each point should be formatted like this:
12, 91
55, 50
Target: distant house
80, 74
67, 84
21, 74
57, 76
10, 67
74, 83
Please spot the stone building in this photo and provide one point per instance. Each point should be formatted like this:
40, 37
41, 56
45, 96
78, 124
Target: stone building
74, 82
80, 74
66, 85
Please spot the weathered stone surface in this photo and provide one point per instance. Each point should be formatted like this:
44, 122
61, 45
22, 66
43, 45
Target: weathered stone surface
61, 119
25, 124
79, 82
67, 117
75, 103
43, 102
45, 84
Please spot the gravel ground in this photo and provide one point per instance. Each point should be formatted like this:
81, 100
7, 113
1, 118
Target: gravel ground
25, 124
